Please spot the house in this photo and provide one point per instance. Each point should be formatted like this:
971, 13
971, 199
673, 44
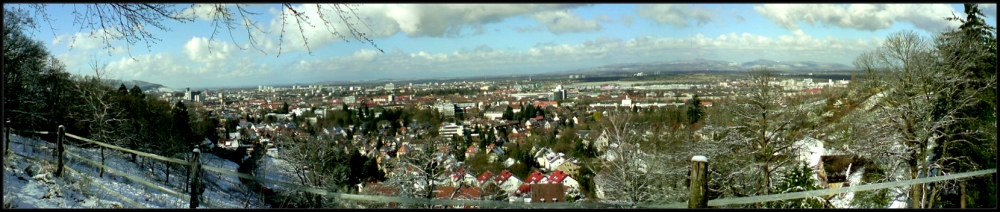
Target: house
471, 151
380, 190
462, 177
601, 140
834, 170
553, 160
507, 181
403, 149
559, 177
458, 193
534, 178
229, 144
602, 182
547, 193
570, 168
484, 178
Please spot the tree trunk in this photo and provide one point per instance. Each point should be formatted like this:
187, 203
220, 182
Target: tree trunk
102, 163
962, 202
915, 190
187, 174
933, 195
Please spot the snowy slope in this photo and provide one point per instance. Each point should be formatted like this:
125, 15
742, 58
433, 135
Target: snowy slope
28, 181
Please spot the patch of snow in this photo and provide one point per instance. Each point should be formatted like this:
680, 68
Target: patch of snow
28, 181
699, 158
844, 200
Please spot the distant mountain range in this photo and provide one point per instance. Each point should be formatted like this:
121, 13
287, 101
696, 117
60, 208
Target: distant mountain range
146, 87
650, 67
711, 65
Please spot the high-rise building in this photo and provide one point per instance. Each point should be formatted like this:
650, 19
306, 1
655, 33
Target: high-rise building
446, 109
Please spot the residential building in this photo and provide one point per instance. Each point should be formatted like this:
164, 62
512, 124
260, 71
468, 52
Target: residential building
451, 129
446, 109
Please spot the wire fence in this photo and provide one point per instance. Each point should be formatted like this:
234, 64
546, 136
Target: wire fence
456, 202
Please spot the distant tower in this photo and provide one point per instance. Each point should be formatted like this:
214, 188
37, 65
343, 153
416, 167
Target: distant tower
187, 94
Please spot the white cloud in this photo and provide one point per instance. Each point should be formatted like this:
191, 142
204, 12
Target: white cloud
485, 60
58, 39
676, 15
201, 11
216, 68
627, 20
868, 17
85, 41
172, 70
202, 50
564, 21
414, 20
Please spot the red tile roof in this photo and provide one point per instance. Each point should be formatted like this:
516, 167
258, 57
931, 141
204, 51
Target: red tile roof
535, 177
557, 177
502, 177
469, 192
487, 175
458, 174
381, 189
443, 192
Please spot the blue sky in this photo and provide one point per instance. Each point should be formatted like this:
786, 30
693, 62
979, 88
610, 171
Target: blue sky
434, 40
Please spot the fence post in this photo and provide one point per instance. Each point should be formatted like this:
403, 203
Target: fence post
61, 132
101, 174
195, 189
699, 182
6, 148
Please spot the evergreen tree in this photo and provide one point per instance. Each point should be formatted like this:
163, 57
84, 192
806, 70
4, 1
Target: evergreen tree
508, 113
970, 53
182, 124
122, 90
284, 108
136, 92
797, 180
694, 110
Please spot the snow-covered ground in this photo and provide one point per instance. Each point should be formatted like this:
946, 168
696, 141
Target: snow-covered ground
29, 182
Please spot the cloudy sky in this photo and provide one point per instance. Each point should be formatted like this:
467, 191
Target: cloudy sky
435, 40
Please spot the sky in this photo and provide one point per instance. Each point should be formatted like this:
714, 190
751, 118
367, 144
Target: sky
459, 40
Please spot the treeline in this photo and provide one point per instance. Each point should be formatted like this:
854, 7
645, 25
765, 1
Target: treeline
40, 95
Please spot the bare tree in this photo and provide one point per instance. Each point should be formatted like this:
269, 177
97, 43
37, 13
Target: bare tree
909, 77
99, 111
755, 140
417, 173
633, 169
317, 163
128, 22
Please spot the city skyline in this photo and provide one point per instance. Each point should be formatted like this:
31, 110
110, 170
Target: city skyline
434, 40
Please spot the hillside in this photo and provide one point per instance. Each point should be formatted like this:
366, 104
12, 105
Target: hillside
145, 86
29, 181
